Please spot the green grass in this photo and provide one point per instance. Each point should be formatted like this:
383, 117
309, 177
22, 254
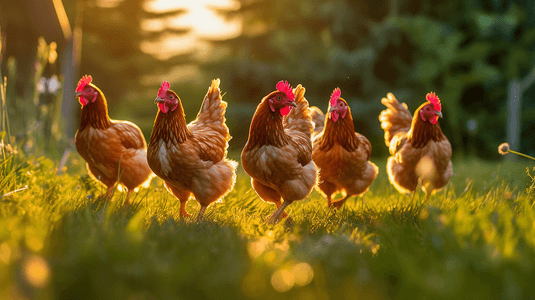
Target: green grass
474, 240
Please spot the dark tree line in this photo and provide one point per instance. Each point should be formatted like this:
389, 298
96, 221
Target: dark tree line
466, 51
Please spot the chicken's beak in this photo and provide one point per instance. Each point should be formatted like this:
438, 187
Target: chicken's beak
438, 113
158, 100
77, 95
333, 108
292, 103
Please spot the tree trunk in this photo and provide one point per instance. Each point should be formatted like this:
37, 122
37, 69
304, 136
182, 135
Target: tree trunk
68, 105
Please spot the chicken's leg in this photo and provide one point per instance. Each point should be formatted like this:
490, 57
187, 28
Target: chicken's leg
268, 194
339, 202
109, 192
183, 212
201, 213
418, 187
428, 190
126, 203
327, 189
427, 196
182, 196
284, 214
413, 196
104, 197
275, 216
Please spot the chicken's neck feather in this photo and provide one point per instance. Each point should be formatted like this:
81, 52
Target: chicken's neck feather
266, 128
170, 127
422, 132
341, 132
95, 114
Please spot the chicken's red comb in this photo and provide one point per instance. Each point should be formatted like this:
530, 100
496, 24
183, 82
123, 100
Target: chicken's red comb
86, 79
163, 89
286, 88
335, 96
433, 99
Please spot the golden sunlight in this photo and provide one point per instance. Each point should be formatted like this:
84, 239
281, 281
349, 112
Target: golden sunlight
200, 18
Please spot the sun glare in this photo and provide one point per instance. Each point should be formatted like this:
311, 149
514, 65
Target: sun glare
199, 18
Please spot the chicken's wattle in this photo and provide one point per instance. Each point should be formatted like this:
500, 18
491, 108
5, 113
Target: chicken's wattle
286, 110
164, 108
335, 115
83, 101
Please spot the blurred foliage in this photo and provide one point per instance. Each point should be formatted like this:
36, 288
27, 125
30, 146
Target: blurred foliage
111, 46
31, 120
111, 53
466, 51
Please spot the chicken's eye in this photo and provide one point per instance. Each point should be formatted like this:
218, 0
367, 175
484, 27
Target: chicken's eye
171, 97
279, 97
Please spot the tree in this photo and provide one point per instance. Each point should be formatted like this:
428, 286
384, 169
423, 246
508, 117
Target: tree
111, 50
466, 51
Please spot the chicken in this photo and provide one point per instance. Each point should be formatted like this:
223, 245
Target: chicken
341, 154
278, 153
420, 152
318, 118
114, 150
191, 158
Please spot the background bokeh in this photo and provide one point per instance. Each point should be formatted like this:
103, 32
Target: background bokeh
470, 52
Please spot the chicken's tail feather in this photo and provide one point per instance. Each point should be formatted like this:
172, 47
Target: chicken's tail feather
318, 118
299, 117
213, 99
396, 118
212, 112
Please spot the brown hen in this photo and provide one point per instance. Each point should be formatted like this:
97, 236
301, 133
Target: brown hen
341, 154
114, 150
421, 153
278, 154
191, 158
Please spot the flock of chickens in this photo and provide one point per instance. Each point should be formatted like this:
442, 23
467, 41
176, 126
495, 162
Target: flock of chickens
291, 149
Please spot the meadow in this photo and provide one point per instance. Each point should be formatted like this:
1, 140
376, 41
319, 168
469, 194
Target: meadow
475, 239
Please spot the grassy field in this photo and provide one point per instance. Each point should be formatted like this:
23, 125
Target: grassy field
475, 239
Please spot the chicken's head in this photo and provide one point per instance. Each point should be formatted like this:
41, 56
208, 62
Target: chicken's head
337, 106
432, 110
85, 91
167, 99
283, 99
